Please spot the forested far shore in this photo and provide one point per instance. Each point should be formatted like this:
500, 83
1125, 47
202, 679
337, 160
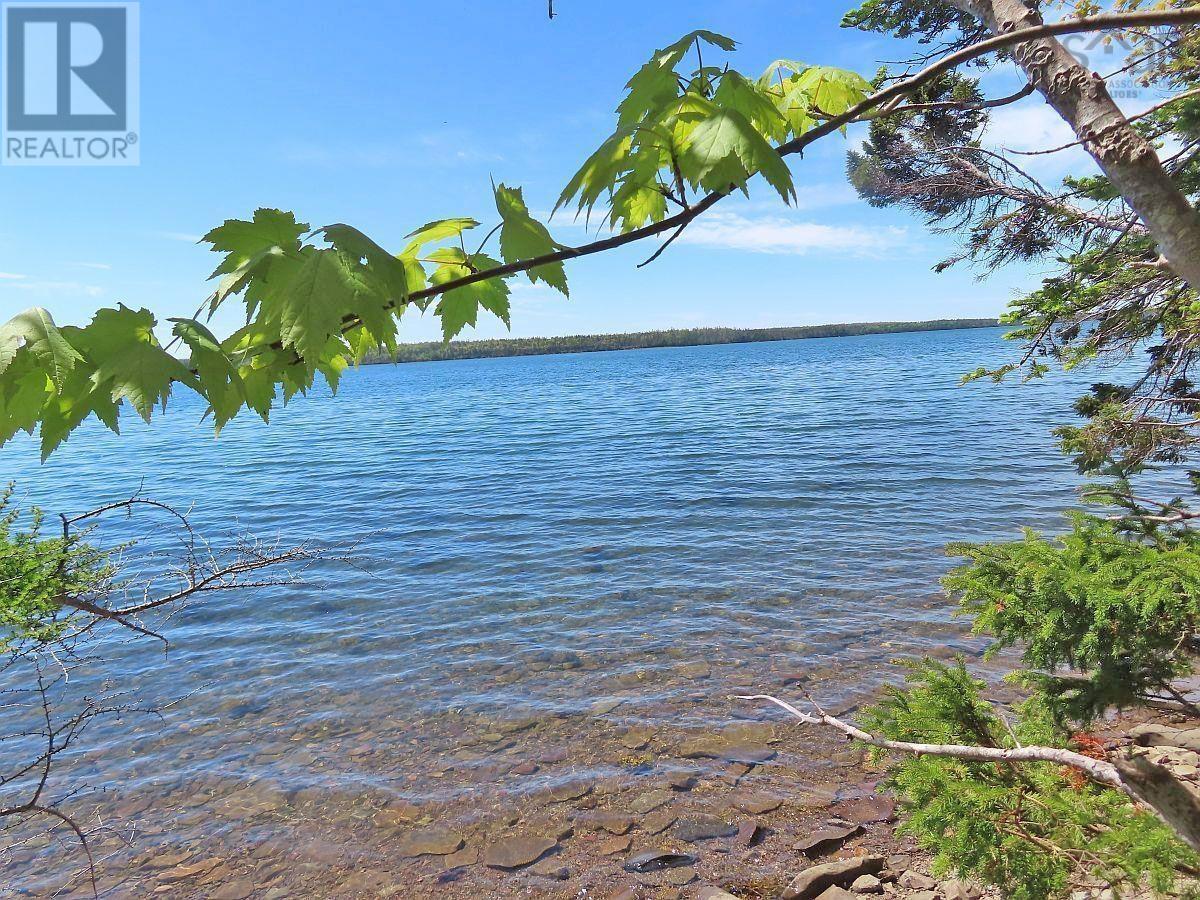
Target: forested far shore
433, 351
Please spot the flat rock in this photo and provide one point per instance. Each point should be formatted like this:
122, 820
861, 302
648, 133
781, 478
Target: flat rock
636, 738
712, 893
811, 882
1151, 735
429, 842
826, 840
571, 790
517, 850
659, 822
722, 748
681, 781
836, 893
703, 828
613, 846
613, 823
866, 810
917, 881
755, 804
183, 873
749, 833
658, 860
650, 801
867, 884
681, 876
551, 868
233, 890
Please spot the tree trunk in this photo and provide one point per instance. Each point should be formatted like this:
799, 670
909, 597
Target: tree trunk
1083, 101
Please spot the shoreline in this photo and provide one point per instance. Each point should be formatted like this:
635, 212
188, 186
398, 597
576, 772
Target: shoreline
437, 351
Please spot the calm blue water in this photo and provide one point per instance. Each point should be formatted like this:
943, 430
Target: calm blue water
542, 536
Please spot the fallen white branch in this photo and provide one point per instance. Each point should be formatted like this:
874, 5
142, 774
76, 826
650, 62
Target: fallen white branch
1137, 777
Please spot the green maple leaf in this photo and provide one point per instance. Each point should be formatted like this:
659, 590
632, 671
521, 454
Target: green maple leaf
241, 240
36, 332
831, 91
24, 392
655, 83
436, 231
599, 172
142, 374
112, 331
725, 149
381, 265
312, 303
459, 307
523, 237
219, 380
739, 94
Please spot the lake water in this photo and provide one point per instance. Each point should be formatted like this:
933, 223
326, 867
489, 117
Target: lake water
551, 554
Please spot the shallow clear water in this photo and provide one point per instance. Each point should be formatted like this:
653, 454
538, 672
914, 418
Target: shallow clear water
538, 535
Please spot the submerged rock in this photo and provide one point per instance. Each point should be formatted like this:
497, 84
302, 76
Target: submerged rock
429, 842
755, 804
826, 840
518, 850
715, 747
657, 860
703, 828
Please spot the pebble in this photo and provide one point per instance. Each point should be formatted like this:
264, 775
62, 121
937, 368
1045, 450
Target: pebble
571, 790
955, 889
721, 748
551, 868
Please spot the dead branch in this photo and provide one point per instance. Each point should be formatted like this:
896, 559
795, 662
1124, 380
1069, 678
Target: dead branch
1136, 777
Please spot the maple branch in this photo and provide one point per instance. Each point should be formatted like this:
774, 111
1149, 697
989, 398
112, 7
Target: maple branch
900, 89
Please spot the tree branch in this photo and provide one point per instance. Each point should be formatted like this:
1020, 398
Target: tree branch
797, 145
1136, 777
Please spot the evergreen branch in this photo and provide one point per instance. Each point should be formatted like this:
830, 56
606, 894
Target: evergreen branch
1136, 777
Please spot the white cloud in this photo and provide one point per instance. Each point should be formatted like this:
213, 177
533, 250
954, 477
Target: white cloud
775, 234
9, 276
1028, 127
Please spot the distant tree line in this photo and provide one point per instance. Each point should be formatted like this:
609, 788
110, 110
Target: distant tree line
642, 340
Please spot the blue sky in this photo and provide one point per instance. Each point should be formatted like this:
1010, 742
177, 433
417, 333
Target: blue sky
387, 115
